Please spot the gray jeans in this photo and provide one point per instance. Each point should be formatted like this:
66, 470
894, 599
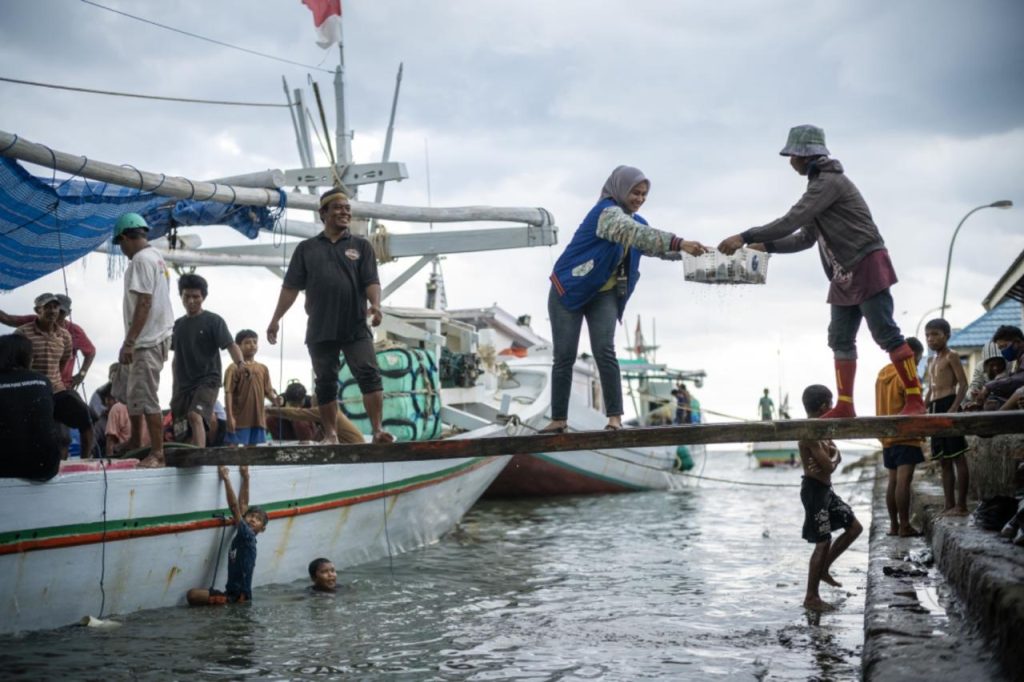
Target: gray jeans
877, 311
601, 314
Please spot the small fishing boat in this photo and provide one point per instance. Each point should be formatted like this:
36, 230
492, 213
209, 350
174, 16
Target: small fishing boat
776, 454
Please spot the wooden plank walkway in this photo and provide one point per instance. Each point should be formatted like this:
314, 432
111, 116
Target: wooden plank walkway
977, 423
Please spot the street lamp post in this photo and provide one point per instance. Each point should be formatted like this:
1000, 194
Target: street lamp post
1003, 203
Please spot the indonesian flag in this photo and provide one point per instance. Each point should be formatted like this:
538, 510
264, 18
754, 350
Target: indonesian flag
327, 17
638, 339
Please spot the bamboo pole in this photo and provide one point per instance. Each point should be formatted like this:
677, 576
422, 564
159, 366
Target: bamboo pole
979, 424
13, 146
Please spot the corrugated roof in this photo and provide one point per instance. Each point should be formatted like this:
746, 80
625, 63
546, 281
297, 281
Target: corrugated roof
979, 332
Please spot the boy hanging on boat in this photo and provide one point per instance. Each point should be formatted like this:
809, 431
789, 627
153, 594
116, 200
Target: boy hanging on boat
824, 511
249, 522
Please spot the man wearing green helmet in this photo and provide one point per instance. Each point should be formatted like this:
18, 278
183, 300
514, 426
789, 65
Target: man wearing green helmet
148, 323
833, 215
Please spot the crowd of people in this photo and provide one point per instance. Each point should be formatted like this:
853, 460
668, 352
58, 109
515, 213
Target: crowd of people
591, 281
39, 403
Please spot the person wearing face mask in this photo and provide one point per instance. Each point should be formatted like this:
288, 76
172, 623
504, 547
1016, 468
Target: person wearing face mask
1010, 341
593, 280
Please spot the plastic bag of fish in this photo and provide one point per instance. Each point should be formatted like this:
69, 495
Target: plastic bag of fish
745, 266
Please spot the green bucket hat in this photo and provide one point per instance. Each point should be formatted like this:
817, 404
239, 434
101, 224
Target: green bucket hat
805, 140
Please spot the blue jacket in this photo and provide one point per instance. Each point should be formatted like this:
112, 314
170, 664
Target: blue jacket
588, 261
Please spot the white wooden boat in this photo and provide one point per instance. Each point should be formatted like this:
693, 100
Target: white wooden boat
124, 539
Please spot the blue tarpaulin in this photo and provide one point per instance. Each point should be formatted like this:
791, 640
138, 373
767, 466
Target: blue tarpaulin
47, 224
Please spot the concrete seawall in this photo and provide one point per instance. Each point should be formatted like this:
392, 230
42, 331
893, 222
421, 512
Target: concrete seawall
949, 605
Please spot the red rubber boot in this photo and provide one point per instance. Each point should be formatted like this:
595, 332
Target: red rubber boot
903, 360
846, 370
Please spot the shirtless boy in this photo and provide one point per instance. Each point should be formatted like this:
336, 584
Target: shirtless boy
824, 511
947, 386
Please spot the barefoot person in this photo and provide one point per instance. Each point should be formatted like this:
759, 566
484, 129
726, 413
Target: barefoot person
148, 325
899, 455
593, 279
947, 386
833, 215
249, 522
338, 272
824, 511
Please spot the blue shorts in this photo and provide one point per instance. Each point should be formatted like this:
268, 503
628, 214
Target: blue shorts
898, 455
251, 436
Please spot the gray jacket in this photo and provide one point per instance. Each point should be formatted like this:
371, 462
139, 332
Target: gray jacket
832, 211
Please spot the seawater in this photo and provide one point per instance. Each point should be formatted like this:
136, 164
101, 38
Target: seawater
704, 583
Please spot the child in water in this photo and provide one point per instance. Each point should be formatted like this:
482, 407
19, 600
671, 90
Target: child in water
824, 511
323, 575
249, 522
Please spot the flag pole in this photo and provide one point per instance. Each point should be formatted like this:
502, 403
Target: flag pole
343, 138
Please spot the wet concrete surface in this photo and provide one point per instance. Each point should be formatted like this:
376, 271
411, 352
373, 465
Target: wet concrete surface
921, 625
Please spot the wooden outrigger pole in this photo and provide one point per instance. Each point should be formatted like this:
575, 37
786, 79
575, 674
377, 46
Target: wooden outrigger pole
979, 424
13, 146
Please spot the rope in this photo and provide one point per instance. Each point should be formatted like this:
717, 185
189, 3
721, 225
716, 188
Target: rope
103, 543
380, 238
220, 550
334, 168
209, 40
162, 98
771, 485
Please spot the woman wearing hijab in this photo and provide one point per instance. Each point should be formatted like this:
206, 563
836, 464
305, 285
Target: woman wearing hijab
593, 279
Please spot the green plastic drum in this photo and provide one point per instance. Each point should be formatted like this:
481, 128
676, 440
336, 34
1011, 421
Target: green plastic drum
412, 397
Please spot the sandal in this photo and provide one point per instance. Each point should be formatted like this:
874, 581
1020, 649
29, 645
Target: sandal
554, 429
612, 427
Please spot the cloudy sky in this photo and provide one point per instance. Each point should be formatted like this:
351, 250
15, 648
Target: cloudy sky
532, 103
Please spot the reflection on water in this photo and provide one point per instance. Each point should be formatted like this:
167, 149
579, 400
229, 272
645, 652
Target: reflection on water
705, 583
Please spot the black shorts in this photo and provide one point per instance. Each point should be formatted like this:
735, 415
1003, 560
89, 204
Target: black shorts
70, 410
824, 511
199, 400
360, 356
896, 456
946, 447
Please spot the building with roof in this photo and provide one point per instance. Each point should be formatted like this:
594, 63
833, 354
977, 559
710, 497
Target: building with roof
1003, 305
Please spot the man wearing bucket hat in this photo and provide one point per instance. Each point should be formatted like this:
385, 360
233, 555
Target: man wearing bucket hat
833, 215
80, 342
148, 323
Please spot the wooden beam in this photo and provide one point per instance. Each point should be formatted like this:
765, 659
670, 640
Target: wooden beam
975, 423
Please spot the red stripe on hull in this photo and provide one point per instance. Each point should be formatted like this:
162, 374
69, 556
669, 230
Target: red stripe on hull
529, 476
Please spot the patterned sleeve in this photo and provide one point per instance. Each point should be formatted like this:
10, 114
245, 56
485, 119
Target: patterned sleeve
615, 226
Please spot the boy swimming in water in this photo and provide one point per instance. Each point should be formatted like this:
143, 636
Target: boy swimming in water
824, 511
323, 575
249, 522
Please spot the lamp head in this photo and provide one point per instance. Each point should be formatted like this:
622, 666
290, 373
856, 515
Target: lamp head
1002, 203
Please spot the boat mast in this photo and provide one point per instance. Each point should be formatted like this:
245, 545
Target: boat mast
343, 136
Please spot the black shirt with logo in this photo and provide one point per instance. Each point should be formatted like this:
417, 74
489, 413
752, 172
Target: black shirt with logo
335, 277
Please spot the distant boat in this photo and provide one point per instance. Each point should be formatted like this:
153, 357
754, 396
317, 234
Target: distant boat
776, 454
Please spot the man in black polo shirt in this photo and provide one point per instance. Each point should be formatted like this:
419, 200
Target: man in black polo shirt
338, 272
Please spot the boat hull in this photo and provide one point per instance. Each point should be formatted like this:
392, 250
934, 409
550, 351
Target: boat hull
168, 530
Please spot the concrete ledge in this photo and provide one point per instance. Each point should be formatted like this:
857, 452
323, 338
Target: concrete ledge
913, 624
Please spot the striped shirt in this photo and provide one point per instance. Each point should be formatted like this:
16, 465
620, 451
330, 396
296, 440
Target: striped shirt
50, 351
